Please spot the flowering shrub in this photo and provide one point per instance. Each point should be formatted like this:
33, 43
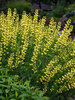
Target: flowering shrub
37, 53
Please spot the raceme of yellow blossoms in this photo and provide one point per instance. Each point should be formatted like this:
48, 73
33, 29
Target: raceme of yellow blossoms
31, 45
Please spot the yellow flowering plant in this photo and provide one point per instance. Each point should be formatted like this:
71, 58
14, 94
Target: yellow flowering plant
37, 53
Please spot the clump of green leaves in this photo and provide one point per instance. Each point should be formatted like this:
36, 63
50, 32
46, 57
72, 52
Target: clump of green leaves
12, 89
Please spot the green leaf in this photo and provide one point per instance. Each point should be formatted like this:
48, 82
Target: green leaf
3, 79
1, 85
6, 90
2, 98
13, 99
16, 94
35, 97
24, 95
27, 84
1, 91
11, 95
40, 94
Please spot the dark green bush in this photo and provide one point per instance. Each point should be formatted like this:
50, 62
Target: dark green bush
70, 8
58, 11
20, 6
43, 13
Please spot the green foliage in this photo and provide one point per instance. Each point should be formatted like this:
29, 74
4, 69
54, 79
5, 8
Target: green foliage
12, 89
70, 8
43, 13
58, 9
20, 6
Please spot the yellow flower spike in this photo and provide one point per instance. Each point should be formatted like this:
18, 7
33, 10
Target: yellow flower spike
38, 37
48, 72
58, 26
14, 14
10, 61
35, 20
1, 51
